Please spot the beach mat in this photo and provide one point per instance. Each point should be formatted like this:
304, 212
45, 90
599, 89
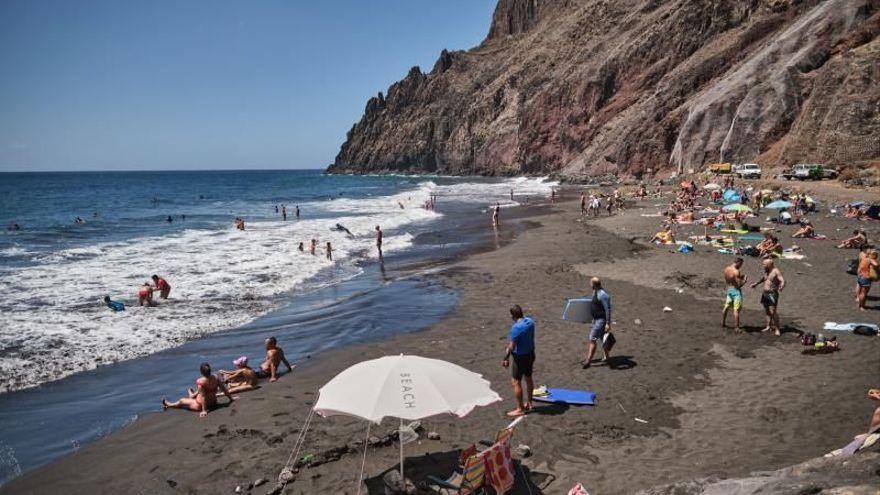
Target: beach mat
577, 310
565, 396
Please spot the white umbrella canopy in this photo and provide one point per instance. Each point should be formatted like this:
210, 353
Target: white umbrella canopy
405, 387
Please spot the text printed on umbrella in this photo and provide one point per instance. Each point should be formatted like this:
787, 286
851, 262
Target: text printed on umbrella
406, 390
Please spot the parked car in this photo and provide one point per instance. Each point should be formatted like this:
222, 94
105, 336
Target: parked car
810, 171
748, 171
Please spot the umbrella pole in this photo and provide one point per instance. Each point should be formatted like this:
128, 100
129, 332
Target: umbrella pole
400, 441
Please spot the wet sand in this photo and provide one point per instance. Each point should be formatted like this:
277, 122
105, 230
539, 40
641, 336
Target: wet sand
714, 402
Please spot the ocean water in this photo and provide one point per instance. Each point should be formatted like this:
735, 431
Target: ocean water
54, 271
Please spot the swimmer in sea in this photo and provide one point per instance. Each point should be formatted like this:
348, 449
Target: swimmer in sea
496, 211
114, 305
284, 212
301, 248
297, 211
379, 240
169, 219
329, 251
145, 295
313, 246
204, 398
274, 358
162, 286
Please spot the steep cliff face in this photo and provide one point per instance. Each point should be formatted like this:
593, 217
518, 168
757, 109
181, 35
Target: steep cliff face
595, 87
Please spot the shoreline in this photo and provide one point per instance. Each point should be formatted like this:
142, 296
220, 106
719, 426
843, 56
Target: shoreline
676, 370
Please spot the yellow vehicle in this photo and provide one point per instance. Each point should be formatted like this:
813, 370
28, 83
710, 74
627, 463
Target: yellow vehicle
720, 168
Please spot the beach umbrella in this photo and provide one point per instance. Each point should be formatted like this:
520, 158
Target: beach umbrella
404, 387
711, 186
731, 196
779, 205
737, 207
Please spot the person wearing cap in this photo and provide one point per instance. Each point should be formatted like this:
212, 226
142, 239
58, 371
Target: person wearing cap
244, 378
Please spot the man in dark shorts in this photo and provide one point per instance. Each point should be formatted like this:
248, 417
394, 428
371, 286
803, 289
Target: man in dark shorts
600, 310
274, 358
773, 284
520, 358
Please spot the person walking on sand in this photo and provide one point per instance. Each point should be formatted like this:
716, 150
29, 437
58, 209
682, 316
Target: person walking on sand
520, 347
379, 240
204, 398
162, 286
733, 299
866, 275
274, 358
773, 284
600, 310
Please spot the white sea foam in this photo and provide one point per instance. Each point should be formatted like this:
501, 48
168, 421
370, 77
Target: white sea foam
52, 323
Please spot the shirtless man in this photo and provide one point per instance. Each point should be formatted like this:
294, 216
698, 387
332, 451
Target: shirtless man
204, 398
773, 285
274, 358
313, 246
162, 286
379, 240
735, 281
583, 203
868, 266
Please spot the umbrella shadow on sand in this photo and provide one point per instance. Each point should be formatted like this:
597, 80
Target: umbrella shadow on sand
442, 464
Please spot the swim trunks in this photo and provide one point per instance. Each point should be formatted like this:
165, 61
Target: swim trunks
770, 298
521, 365
734, 298
597, 331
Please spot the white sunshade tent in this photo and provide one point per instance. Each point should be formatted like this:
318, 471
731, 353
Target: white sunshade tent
404, 387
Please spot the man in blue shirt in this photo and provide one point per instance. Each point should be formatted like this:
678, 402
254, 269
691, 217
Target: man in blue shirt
520, 347
601, 312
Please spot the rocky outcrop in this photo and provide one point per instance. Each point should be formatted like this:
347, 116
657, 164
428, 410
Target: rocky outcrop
595, 87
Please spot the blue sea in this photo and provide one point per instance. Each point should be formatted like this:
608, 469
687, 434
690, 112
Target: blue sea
71, 238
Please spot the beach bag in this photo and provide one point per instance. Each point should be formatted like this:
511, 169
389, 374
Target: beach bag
865, 330
852, 267
608, 340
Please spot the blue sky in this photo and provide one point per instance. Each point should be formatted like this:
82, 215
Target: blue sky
133, 85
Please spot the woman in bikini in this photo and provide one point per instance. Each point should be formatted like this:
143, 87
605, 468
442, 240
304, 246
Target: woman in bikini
204, 398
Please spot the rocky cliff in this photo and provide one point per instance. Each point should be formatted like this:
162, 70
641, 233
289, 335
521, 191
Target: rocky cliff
598, 87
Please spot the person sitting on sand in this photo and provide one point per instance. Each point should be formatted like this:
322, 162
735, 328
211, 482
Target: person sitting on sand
769, 246
162, 286
114, 305
521, 347
145, 295
874, 393
204, 398
244, 378
806, 231
665, 236
274, 358
857, 241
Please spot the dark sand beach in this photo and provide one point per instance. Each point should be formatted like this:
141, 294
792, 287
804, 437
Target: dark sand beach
713, 403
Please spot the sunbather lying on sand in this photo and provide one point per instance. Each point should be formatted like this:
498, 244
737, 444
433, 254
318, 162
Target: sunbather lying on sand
244, 378
205, 397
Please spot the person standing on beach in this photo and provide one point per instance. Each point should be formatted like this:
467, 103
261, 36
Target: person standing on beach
379, 240
735, 281
162, 286
496, 210
600, 310
511, 194
297, 211
313, 246
773, 285
284, 212
520, 347
329, 251
583, 203
866, 275
274, 358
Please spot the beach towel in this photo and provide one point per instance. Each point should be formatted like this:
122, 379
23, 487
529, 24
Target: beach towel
729, 231
861, 442
499, 467
869, 328
725, 251
791, 256
751, 237
565, 396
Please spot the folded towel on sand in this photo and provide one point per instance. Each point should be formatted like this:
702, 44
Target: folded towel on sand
849, 327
